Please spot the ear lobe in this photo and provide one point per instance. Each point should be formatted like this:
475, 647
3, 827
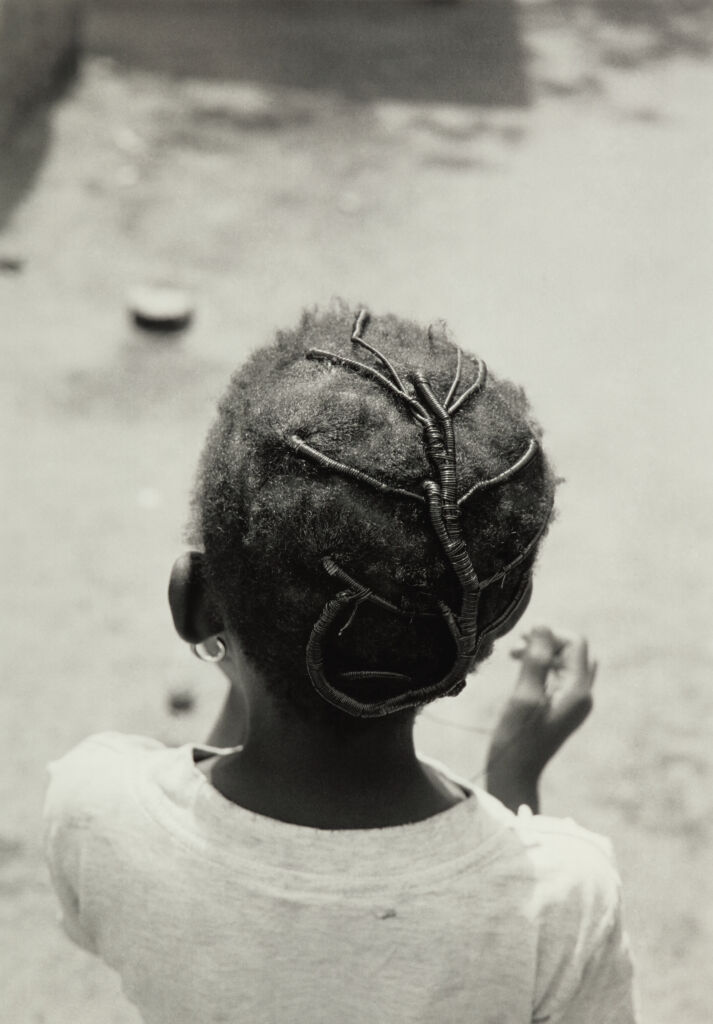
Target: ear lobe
194, 616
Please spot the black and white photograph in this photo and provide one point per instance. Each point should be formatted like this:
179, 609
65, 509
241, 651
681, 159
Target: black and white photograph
357, 580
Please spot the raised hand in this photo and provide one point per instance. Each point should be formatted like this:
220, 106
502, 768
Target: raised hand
552, 697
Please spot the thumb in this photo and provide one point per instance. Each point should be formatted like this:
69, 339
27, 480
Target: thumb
574, 702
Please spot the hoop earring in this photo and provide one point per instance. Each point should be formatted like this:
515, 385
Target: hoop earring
203, 654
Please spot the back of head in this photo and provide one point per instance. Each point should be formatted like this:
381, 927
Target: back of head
326, 479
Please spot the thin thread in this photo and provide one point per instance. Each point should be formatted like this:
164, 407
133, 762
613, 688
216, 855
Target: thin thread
456, 725
359, 599
515, 738
336, 570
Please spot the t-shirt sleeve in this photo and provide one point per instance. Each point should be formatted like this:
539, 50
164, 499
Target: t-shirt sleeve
83, 789
605, 993
65, 825
586, 974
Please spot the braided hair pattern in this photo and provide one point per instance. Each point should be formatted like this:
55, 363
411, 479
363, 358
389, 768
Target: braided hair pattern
442, 506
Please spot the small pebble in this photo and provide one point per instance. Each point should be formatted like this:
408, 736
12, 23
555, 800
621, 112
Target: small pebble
11, 264
160, 308
180, 702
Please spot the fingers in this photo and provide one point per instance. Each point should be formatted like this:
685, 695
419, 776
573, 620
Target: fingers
552, 697
571, 697
556, 665
537, 659
573, 666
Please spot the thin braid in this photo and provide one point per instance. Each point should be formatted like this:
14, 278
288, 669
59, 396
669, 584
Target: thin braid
368, 371
456, 380
500, 478
361, 320
301, 447
474, 388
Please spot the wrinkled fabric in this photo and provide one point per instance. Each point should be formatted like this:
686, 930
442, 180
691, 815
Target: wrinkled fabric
212, 913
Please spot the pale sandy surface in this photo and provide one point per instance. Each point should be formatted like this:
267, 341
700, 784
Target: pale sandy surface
570, 241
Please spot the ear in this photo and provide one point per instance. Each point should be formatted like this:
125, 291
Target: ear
194, 615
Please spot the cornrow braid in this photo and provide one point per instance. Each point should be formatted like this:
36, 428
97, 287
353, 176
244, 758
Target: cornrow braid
364, 488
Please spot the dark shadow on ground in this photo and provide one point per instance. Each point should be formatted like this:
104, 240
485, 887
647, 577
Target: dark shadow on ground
468, 53
472, 52
683, 27
25, 135
21, 157
578, 46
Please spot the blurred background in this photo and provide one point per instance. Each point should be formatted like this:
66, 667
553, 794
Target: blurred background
540, 175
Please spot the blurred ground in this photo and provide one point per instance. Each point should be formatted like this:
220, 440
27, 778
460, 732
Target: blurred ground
554, 204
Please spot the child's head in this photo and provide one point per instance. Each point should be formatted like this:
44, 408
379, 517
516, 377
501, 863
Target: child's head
318, 571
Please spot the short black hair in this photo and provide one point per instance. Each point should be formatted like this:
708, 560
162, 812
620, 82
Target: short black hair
266, 518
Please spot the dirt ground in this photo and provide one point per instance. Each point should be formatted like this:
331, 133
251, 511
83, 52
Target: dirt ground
540, 177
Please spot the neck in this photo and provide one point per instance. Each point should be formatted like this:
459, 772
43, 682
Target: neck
306, 773
364, 756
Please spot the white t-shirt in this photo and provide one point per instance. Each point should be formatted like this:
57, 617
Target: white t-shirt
211, 913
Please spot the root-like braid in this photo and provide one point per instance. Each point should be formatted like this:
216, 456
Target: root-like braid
443, 511
364, 487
